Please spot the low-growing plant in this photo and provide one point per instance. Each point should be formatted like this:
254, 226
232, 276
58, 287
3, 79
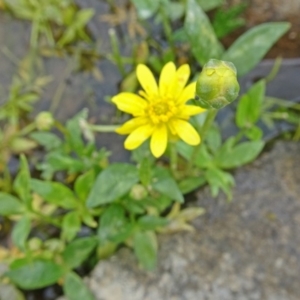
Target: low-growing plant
68, 205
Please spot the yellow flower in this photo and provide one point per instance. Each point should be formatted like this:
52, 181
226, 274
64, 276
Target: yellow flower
160, 112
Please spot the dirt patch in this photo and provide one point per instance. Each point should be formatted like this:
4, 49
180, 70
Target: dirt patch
259, 12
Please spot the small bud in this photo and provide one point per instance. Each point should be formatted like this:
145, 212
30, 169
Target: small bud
217, 84
138, 192
44, 121
35, 244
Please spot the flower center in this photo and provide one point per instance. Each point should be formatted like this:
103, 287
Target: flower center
161, 111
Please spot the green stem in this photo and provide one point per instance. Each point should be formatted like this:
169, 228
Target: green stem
61, 127
30, 127
173, 159
103, 128
42, 218
116, 51
210, 117
61, 88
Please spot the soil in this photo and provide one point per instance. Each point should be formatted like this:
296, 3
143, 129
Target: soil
258, 12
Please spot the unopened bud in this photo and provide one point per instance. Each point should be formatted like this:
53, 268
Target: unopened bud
44, 121
217, 84
138, 192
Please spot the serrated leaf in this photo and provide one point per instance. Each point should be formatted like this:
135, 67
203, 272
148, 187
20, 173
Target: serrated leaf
248, 50
201, 35
112, 183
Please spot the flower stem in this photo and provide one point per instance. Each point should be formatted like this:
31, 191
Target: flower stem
210, 117
30, 127
173, 159
103, 128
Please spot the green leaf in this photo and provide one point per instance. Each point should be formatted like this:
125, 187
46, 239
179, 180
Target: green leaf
202, 158
46, 139
164, 183
254, 133
250, 105
145, 171
192, 183
22, 181
74, 137
70, 225
146, 8
145, 248
149, 222
60, 162
114, 225
213, 139
78, 251
35, 274
226, 21
20, 232
247, 51
243, 153
209, 4
54, 192
10, 205
219, 179
84, 184
203, 40
75, 288
113, 183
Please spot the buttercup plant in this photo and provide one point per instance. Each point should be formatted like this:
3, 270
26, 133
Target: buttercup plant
69, 206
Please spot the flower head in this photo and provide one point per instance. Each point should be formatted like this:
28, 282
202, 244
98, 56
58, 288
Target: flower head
160, 110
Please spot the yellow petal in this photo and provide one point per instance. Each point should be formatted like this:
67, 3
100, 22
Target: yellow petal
159, 141
180, 80
138, 136
147, 80
166, 77
130, 103
131, 125
188, 93
186, 132
186, 111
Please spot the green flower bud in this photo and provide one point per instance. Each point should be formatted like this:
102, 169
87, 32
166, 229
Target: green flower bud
138, 192
44, 120
217, 84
